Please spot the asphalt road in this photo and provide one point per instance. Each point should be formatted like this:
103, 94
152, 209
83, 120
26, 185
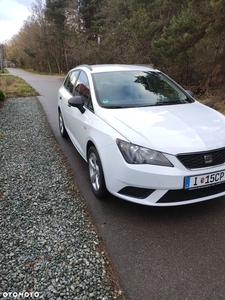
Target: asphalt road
160, 253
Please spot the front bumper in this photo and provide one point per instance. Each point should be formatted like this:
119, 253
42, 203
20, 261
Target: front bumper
155, 185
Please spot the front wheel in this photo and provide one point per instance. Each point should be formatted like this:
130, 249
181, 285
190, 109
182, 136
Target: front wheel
62, 128
96, 174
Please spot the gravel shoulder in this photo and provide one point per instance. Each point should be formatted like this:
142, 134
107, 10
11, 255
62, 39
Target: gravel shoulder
49, 248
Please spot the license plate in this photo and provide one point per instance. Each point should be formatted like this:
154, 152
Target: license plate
195, 182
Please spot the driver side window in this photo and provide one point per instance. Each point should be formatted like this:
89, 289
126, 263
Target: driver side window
82, 88
70, 81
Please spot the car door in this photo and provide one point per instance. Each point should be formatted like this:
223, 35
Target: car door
79, 123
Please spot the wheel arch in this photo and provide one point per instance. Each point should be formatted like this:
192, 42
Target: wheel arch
103, 191
89, 144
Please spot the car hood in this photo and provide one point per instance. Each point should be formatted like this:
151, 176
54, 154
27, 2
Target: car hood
170, 129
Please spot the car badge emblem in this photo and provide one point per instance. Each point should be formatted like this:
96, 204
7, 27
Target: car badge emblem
208, 159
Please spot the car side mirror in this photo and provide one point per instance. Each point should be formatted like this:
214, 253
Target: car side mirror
78, 102
190, 93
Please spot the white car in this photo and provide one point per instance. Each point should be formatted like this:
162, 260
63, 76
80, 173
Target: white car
145, 139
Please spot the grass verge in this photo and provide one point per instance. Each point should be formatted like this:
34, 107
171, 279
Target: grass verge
15, 87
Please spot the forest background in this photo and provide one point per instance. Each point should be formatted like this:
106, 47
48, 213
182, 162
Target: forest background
185, 38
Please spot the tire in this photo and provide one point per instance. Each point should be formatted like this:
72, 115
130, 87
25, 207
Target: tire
62, 128
96, 174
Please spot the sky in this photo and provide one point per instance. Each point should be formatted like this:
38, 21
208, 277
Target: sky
12, 15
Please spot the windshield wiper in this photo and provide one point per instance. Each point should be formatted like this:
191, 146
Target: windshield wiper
114, 106
170, 102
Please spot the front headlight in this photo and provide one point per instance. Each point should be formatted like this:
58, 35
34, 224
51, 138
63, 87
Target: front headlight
134, 154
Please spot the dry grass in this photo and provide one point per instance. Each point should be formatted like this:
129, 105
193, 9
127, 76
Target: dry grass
214, 101
212, 97
15, 87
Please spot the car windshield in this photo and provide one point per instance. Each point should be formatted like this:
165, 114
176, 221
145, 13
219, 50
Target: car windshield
120, 89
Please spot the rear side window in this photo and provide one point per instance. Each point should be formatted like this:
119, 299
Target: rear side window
71, 80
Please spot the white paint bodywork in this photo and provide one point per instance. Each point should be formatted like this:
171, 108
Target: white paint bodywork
170, 129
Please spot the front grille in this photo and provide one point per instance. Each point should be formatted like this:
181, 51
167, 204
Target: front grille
183, 195
197, 160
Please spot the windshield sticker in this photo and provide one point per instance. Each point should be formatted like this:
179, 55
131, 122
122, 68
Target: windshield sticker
105, 101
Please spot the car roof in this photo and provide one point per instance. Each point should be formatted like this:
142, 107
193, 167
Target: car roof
116, 67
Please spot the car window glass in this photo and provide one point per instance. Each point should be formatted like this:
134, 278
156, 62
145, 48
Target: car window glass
136, 88
83, 89
71, 80
66, 80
